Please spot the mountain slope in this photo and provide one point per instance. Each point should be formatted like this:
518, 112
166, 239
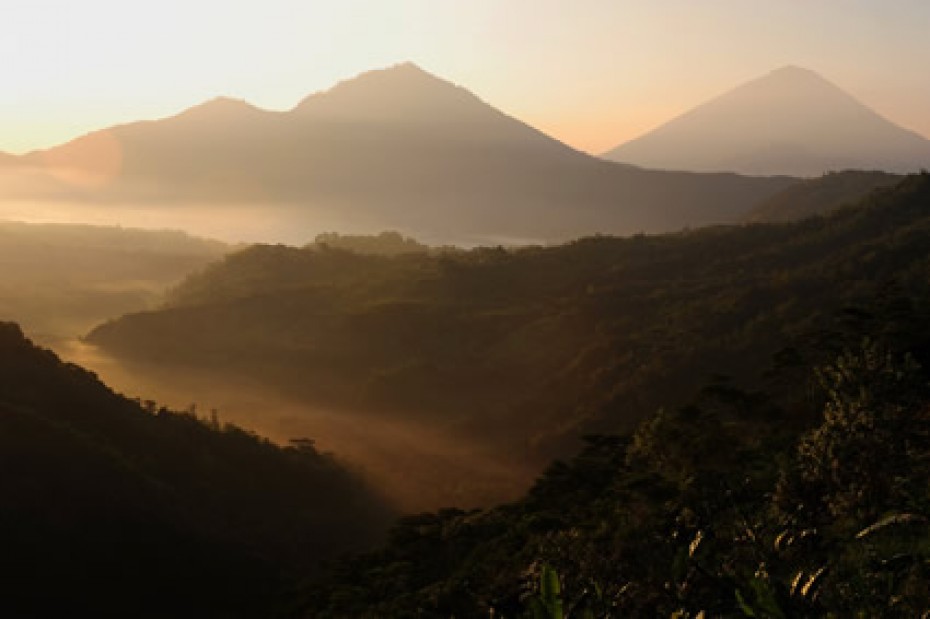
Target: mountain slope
396, 148
59, 280
526, 350
791, 121
675, 518
820, 196
115, 508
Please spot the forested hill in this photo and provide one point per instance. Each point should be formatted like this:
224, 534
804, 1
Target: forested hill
820, 196
115, 508
716, 509
807, 499
537, 345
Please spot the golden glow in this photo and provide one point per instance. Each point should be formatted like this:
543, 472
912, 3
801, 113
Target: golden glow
89, 163
598, 133
595, 73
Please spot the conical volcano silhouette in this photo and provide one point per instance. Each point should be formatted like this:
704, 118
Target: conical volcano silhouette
791, 121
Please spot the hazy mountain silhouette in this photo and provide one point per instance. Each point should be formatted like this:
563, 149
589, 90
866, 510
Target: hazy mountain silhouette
791, 121
393, 148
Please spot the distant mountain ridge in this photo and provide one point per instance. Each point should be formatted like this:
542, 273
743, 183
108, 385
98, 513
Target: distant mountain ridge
791, 121
820, 196
396, 148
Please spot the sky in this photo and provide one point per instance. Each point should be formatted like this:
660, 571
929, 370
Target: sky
592, 73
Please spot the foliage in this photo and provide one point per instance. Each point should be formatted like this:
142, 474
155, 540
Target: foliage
820, 196
531, 348
707, 511
790, 483
388, 243
113, 507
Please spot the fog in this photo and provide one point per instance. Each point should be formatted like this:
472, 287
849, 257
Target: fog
396, 149
60, 281
415, 467
239, 223
232, 223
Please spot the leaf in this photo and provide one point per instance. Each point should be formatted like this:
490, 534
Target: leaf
695, 543
892, 520
795, 582
747, 610
549, 588
550, 592
812, 581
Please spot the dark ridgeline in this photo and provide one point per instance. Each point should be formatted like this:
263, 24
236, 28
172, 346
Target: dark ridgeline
391, 149
111, 508
528, 349
388, 243
790, 121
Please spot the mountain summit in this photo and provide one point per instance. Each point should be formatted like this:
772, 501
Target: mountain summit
402, 92
395, 148
790, 121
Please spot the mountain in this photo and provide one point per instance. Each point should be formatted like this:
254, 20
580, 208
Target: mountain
59, 280
791, 121
113, 507
524, 351
815, 477
820, 196
390, 149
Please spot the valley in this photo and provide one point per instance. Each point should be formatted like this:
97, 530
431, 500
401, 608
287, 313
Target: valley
347, 311
413, 465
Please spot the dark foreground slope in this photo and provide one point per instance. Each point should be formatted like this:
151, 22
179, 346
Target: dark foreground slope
806, 496
717, 509
530, 348
806, 499
115, 509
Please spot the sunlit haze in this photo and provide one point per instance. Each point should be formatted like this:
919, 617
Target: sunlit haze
465, 308
592, 74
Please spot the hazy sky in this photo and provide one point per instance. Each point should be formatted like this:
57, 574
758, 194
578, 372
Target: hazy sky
593, 73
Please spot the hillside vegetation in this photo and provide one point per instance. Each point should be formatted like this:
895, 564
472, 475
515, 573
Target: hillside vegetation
534, 347
715, 509
820, 196
801, 495
120, 508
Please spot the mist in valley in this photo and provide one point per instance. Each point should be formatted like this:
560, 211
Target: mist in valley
416, 467
292, 326
60, 280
